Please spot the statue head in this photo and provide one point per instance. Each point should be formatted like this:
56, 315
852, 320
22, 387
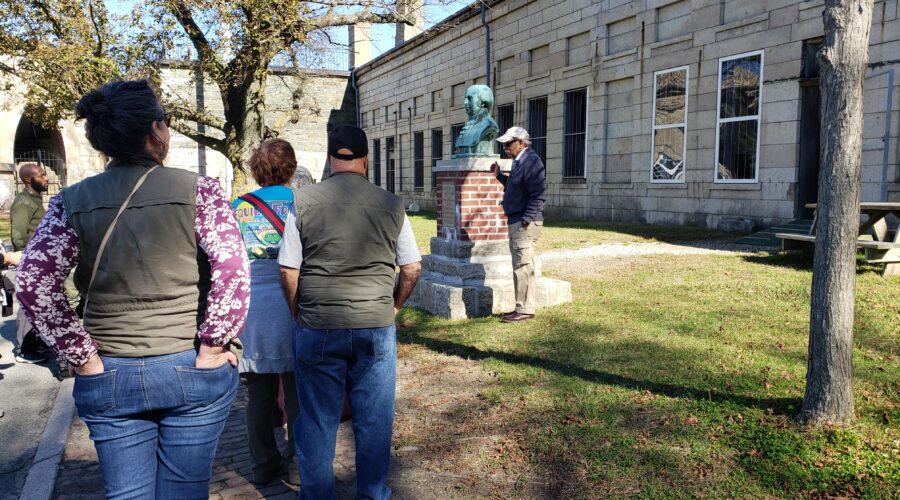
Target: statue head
479, 102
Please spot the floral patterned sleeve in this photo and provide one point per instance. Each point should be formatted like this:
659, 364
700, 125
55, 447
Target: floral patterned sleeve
218, 235
52, 252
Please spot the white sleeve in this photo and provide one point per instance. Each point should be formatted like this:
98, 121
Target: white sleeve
407, 250
291, 252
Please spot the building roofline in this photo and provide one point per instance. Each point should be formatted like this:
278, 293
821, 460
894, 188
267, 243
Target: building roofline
452, 21
274, 70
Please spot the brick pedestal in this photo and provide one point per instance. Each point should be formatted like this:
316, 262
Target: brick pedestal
469, 270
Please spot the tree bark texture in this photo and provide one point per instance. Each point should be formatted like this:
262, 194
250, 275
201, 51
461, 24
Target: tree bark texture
843, 59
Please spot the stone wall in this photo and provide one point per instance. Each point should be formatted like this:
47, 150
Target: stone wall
613, 48
326, 99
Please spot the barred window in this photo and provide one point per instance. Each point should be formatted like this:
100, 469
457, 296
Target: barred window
670, 91
389, 157
457, 94
376, 161
437, 153
436, 104
575, 133
537, 126
418, 160
455, 130
505, 114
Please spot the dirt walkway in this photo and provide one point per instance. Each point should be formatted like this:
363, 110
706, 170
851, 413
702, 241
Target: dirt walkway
448, 438
442, 441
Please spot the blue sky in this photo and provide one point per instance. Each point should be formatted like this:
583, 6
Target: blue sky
382, 35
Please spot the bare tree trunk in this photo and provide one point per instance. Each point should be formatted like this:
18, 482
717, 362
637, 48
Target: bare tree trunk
843, 58
247, 108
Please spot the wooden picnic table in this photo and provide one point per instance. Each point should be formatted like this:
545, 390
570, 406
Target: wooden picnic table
880, 249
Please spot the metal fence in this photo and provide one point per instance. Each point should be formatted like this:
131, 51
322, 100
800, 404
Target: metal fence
52, 164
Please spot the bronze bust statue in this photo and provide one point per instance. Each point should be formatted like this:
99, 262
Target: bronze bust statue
478, 134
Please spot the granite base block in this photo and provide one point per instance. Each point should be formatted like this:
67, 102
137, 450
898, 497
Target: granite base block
461, 301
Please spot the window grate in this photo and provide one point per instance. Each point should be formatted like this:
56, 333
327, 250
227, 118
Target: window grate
437, 153
418, 160
389, 162
575, 133
376, 160
537, 126
505, 115
455, 130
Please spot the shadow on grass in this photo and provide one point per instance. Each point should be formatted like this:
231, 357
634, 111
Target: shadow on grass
782, 406
650, 231
790, 260
801, 261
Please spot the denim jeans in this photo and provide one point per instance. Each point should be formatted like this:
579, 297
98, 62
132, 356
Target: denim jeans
155, 422
365, 359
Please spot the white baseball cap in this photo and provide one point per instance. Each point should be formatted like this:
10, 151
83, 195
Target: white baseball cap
514, 133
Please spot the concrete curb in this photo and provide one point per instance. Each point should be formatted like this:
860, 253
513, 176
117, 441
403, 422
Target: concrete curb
42, 475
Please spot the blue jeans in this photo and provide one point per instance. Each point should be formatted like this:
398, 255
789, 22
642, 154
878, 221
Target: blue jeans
155, 422
365, 359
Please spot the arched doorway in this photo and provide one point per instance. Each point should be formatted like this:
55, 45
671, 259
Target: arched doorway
36, 144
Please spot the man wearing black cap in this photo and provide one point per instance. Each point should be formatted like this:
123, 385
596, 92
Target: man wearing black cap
338, 260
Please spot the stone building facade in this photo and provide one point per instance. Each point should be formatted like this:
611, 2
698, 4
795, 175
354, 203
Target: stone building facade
701, 112
65, 153
325, 99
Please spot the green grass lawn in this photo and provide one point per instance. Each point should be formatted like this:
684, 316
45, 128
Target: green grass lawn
5, 231
577, 234
679, 377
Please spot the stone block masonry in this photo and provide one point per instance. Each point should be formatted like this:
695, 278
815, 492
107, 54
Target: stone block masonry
536, 64
469, 271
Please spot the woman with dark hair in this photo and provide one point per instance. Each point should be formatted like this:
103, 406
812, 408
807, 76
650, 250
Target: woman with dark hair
164, 279
268, 361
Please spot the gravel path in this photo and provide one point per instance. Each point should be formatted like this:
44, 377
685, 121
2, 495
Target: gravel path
639, 249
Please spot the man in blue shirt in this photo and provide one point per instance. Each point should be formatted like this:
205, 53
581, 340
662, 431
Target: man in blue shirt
523, 201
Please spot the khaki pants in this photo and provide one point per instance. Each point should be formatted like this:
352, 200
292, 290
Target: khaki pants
521, 246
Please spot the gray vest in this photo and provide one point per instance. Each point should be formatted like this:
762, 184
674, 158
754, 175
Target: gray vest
149, 295
349, 230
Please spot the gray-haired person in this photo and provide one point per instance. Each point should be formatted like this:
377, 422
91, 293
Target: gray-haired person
523, 201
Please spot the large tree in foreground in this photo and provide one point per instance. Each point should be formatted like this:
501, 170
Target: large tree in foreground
843, 58
63, 48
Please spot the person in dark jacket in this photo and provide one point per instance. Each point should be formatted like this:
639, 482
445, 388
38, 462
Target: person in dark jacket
523, 201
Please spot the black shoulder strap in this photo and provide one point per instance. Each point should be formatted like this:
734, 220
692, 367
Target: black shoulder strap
266, 210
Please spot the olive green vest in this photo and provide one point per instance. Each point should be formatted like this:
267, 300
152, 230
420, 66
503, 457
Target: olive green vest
349, 230
149, 295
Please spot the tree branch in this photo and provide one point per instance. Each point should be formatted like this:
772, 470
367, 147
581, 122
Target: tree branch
98, 50
184, 16
204, 140
50, 17
188, 113
331, 20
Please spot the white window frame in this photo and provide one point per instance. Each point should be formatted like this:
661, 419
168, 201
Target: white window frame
654, 127
757, 117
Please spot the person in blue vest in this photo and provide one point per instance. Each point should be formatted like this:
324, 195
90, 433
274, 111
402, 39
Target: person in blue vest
338, 272
523, 202
268, 361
